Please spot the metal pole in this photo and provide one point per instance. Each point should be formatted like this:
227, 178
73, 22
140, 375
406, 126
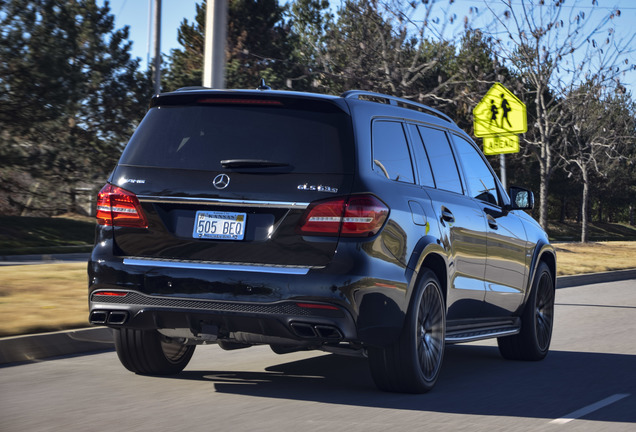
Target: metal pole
502, 162
149, 33
215, 35
157, 47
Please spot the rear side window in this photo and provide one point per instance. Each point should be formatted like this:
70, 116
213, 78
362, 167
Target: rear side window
391, 157
442, 159
199, 137
421, 158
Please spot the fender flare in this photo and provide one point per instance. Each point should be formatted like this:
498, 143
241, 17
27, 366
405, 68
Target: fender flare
427, 248
543, 252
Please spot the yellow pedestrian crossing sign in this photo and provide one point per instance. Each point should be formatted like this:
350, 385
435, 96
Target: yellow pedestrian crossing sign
499, 113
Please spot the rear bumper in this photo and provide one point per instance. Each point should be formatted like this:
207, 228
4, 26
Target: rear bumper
369, 296
278, 321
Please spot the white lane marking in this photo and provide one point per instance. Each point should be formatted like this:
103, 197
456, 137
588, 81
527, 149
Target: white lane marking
590, 408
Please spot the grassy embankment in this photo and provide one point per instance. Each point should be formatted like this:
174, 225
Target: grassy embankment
49, 297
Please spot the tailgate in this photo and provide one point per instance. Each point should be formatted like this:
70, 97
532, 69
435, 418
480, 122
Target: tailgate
226, 179
258, 227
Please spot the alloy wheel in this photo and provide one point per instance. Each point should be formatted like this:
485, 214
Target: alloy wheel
430, 332
544, 312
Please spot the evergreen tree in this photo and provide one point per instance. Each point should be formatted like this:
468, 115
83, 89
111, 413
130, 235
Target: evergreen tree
258, 46
71, 96
185, 65
310, 22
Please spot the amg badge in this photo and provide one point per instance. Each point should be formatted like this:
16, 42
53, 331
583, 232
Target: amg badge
318, 188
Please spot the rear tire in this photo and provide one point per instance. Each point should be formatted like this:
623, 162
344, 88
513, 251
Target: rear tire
412, 364
147, 352
533, 342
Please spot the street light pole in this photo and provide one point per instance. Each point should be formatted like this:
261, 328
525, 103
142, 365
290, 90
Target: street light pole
215, 34
157, 47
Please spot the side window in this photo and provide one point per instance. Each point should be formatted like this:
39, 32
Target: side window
480, 180
421, 158
442, 160
391, 157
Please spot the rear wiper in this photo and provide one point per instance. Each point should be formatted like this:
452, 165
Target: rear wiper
251, 163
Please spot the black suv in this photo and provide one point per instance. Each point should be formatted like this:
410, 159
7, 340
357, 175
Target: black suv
362, 223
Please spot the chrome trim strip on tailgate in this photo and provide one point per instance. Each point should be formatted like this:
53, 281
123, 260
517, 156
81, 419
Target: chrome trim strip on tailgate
222, 202
210, 265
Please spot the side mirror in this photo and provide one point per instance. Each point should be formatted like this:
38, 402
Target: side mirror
521, 199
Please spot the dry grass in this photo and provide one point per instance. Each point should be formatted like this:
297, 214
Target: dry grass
47, 297
577, 258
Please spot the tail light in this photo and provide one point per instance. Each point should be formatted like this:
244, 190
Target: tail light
356, 216
119, 207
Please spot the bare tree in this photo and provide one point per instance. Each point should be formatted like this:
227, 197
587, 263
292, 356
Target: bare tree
601, 126
391, 46
554, 48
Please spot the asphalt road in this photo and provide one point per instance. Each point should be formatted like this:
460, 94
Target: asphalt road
587, 383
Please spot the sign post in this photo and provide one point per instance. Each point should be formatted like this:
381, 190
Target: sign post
498, 118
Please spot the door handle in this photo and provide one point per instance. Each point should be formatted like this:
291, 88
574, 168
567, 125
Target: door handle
492, 222
447, 215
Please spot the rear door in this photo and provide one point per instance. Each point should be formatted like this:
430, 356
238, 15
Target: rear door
226, 178
462, 225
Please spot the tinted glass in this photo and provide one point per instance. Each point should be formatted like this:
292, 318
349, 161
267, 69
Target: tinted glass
199, 137
480, 181
391, 156
421, 158
442, 160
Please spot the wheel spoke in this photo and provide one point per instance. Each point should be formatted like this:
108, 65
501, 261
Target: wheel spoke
544, 310
430, 332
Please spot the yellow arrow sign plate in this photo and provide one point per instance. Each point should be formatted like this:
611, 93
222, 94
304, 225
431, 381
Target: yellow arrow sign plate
499, 113
501, 144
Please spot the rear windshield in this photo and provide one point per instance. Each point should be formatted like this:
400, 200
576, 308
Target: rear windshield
199, 137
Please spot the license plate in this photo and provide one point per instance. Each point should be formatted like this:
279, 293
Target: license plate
219, 225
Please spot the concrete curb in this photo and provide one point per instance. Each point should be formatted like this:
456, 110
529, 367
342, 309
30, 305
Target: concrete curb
40, 346
594, 278
44, 258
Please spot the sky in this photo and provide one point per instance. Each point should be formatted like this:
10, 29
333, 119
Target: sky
135, 14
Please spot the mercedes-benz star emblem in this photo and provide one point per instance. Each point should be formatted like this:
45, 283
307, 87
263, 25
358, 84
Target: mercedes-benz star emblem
221, 181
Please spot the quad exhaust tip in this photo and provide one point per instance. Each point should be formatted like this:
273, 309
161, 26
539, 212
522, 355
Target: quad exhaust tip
316, 331
108, 317
98, 317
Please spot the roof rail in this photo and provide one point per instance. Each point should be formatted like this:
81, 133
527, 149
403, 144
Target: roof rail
395, 101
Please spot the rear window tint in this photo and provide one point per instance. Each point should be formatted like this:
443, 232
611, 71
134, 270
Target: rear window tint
200, 137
